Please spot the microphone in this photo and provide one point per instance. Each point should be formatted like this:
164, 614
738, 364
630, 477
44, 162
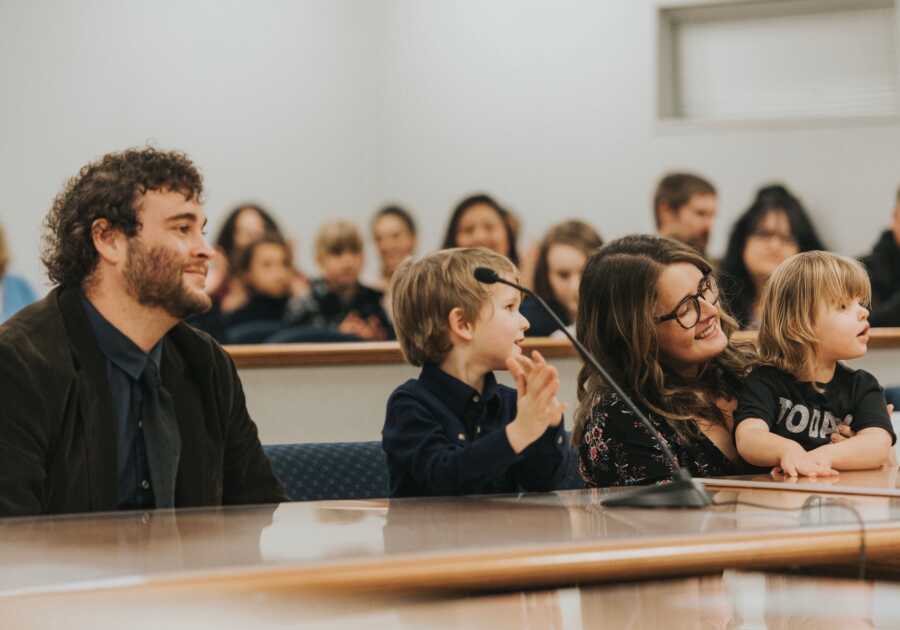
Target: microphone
682, 491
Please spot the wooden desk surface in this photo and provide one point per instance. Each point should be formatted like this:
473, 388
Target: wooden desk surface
884, 482
726, 600
453, 543
382, 352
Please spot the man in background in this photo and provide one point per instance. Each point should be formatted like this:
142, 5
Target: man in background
685, 208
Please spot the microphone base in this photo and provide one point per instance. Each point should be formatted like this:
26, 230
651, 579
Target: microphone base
680, 493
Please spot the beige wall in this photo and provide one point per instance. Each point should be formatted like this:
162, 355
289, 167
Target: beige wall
337, 404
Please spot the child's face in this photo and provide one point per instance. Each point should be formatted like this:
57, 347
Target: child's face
843, 330
341, 270
270, 270
564, 266
482, 226
500, 327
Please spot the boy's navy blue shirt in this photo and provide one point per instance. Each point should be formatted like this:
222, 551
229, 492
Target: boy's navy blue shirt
443, 438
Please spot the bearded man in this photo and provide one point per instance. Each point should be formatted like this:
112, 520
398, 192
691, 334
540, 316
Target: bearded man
109, 400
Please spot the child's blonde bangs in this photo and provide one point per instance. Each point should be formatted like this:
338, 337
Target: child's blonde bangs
842, 280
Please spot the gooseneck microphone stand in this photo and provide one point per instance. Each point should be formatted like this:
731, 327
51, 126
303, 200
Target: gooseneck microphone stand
682, 491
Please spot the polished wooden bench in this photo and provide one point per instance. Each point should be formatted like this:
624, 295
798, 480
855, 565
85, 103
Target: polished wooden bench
336, 392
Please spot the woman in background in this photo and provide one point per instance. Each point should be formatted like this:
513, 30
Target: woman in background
394, 233
479, 221
561, 258
15, 292
773, 228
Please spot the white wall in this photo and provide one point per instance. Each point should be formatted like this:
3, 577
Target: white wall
551, 106
274, 100
275, 394
330, 107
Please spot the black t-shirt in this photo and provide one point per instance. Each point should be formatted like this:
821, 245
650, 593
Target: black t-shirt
795, 410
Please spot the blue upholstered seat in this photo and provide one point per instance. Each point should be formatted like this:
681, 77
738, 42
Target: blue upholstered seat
346, 470
330, 470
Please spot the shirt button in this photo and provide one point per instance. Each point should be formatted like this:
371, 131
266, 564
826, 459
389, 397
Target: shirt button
476, 398
559, 440
145, 484
478, 429
140, 424
461, 436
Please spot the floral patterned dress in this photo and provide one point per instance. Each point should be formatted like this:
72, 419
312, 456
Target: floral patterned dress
618, 450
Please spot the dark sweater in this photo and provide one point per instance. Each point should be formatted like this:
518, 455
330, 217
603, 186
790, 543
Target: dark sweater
442, 437
58, 428
883, 265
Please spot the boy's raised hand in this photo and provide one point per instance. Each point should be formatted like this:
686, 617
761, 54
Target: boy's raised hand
537, 384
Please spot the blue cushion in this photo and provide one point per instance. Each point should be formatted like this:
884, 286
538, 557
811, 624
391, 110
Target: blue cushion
330, 470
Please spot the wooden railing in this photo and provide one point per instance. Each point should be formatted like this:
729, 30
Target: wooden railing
388, 352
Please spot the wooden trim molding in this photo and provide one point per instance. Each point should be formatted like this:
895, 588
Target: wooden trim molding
388, 352
545, 567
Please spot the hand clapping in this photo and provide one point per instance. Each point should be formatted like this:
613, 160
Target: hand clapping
537, 384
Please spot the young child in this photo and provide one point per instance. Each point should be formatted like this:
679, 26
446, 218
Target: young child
813, 317
337, 300
454, 430
264, 268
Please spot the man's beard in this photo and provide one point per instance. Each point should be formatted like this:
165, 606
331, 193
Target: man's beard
155, 278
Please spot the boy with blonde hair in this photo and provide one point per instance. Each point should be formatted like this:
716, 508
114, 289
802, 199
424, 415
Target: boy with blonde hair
337, 300
814, 315
454, 430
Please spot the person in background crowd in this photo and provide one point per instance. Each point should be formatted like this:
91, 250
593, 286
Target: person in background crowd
562, 255
264, 267
244, 224
118, 404
394, 232
479, 221
15, 292
685, 207
337, 300
883, 265
772, 229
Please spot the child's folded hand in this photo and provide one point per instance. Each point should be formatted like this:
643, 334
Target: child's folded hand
800, 463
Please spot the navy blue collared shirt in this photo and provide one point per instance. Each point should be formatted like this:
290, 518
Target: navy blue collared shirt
442, 438
125, 363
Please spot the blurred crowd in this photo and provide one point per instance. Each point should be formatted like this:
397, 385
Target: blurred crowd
261, 296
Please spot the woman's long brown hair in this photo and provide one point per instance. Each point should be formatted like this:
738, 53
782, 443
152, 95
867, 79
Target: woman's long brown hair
615, 322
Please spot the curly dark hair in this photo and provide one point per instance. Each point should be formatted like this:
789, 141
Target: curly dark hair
108, 188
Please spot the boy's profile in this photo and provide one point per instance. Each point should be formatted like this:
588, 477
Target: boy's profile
454, 430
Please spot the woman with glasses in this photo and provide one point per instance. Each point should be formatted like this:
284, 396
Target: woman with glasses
774, 228
649, 310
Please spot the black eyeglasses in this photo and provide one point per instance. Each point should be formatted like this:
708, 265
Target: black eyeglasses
687, 312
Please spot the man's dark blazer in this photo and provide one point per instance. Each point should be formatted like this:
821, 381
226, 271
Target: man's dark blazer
58, 429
